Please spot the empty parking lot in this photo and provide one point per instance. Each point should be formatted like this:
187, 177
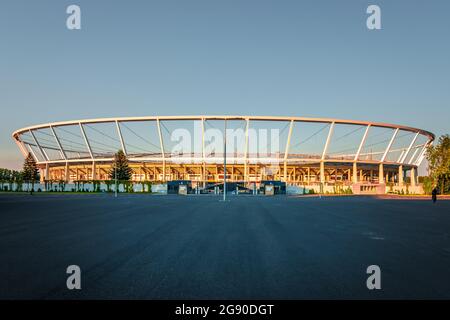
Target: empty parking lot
197, 247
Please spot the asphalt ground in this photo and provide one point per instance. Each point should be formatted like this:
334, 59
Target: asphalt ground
198, 247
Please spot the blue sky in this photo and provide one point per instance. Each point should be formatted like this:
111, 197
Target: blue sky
255, 57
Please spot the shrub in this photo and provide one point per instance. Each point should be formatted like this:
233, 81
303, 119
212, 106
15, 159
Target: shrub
427, 184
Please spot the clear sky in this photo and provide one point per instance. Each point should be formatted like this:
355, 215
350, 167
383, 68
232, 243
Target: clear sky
253, 57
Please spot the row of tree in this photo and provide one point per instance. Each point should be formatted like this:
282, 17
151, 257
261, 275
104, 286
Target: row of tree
29, 174
438, 157
10, 176
120, 171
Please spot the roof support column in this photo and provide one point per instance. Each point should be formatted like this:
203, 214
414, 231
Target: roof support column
291, 125
409, 147
381, 173
246, 151
94, 168
327, 142
88, 145
413, 155
355, 173
284, 171
422, 153
63, 154
400, 175
66, 173
308, 177
204, 175
47, 172
43, 153
22, 147
162, 149
363, 140
41, 175
413, 177
119, 133
322, 172
32, 152
389, 145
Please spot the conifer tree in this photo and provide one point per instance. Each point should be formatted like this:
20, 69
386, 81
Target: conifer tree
30, 173
120, 167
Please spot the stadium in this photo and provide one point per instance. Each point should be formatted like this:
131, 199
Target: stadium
316, 153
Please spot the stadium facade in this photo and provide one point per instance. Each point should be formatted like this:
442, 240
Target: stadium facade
368, 157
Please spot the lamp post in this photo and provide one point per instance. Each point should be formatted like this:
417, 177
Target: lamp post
115, 178
225, 161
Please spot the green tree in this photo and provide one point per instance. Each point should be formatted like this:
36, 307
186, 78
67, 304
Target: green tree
427, 184
120, 168
5, 176
15, 178
438, 157
30, 173
10, 177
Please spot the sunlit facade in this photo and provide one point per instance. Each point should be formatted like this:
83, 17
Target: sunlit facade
315, 152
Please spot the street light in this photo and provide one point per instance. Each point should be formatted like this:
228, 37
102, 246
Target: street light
225, 162
115, 178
